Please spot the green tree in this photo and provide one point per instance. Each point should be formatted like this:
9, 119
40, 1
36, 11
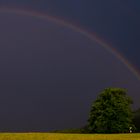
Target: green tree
111, 112
136, 120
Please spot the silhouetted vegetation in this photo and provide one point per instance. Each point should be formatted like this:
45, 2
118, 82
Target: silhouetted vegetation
77, 131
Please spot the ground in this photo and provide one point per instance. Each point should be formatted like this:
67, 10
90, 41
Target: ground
52, 136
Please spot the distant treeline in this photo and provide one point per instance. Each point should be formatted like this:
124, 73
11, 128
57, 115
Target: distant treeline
77, 131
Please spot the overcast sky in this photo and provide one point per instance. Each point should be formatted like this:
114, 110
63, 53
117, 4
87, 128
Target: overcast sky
51, 73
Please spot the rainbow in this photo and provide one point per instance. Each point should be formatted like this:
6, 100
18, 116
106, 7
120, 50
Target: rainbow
92, 36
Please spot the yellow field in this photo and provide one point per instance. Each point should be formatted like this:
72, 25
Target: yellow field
51, 136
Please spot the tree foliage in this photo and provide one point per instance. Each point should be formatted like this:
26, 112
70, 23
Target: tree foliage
136, 120
111, 112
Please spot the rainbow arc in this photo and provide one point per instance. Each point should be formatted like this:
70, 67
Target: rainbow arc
92, 36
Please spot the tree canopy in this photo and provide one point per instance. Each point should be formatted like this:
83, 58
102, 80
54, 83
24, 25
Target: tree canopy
111, 112
136, 120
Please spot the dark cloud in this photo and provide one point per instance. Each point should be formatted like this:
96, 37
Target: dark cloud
115, 21
51, 74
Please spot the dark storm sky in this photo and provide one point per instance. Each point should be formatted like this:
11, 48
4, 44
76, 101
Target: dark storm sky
50, 74
116, 21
